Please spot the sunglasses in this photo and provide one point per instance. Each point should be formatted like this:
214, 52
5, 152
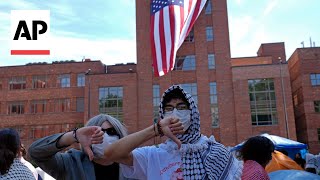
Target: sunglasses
110, 131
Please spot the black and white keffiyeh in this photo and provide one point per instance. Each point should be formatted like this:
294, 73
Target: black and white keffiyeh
202, 157
18, 171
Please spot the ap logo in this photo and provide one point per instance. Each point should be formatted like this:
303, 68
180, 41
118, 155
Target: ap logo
30, 32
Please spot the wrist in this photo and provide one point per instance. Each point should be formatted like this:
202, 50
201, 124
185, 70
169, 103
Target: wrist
74, 135
65, 140
155, 127
159, 129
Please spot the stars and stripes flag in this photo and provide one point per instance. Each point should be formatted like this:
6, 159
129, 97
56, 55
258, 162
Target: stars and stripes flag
171, 21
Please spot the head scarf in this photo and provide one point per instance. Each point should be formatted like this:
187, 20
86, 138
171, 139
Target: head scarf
201, 159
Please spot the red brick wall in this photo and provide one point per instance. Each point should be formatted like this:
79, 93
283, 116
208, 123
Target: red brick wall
241, 75
129, 83
51, 122
246, 61
276, 50
122, 68
302, 63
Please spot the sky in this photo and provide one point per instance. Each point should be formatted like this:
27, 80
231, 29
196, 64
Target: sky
104, 30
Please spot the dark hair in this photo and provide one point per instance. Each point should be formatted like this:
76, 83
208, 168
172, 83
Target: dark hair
311, 170
9, 147
257, 148
283, 152
23, 150
174, 94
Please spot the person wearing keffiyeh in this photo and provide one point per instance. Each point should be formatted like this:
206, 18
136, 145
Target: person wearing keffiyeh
10, 165
256, 154
185, 151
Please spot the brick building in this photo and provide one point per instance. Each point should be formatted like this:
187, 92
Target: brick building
218, 83
237, 97
304, 67
262, 92
39, 99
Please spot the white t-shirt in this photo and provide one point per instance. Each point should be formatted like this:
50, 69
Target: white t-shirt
30, 166
154, 163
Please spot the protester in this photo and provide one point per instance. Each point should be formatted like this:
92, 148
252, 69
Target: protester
256, 154
312, 163
187, 154
23, 154
298, 159
88, 163
10, 164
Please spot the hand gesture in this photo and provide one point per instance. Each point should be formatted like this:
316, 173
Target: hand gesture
172, 126
89, 135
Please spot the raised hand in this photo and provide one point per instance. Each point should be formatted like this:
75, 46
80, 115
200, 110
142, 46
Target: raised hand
89, 135
172, 126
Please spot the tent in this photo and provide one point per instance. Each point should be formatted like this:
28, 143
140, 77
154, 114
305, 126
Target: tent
280, 143
280, 161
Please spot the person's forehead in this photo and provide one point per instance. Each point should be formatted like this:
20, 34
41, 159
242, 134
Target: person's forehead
106, 125
175, 101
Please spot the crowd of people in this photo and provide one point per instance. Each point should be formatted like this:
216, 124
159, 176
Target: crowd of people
108, 152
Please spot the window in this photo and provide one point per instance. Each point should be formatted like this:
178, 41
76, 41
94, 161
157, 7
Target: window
315, 79
262, 102
191, 89
208, 7
214, 104
38, 106
185, 63
39, 82
156, 100
111, 101
317, 106
319, 135
81, 80
17, 83
64, 80
62, 105
16, 107
209, 33
190, 37
38, 132
211, 61
80, 104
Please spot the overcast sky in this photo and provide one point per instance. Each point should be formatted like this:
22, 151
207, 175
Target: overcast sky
104, 30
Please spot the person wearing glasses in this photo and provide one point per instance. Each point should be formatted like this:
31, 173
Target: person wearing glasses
186, 154
89, 162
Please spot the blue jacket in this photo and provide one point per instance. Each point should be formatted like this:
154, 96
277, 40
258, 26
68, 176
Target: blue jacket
73, 164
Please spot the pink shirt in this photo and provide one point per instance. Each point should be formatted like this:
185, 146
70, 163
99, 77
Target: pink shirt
253, 170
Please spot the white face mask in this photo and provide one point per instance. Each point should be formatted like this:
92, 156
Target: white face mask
183, 115
98, 149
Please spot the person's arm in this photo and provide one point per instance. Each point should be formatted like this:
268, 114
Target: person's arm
44, 151
86, 136
120, 151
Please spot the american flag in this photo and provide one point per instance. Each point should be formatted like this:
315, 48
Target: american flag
171, 22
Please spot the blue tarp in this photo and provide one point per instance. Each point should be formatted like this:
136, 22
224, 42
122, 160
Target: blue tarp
280, 143
292, 175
